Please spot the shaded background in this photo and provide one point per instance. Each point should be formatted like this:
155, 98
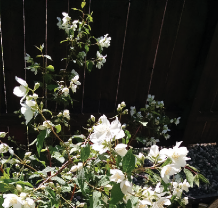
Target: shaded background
166, 48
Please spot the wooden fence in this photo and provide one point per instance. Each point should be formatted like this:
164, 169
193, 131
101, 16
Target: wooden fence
163, 47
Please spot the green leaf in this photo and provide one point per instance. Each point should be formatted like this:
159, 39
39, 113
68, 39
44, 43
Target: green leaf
202, 178
128, 162
58, 156
95, 199
58, 128
168, 161
89, 65
40, 141
104, 181
85, 152
129, 204
25, 183
1, 199
196, 180
193, 168
143, 123
189, 176
51, 87
50, 68
48, 57
118, 160
83, 4
4, 187
48, 169
46, 110
59, 180
116, 194
81, 180
87, 48
48, 78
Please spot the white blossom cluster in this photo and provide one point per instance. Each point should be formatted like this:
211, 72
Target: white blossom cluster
21, 201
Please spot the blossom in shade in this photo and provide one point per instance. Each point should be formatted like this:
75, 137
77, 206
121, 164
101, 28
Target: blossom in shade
27, 112
22, 90
4, 148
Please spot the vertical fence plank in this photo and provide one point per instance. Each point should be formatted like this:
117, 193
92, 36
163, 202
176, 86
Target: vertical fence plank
142, 37
12, 36
35, 17
2, 93
206, 93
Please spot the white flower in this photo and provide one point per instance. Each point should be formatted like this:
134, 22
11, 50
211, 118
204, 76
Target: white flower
143, 204
100, 148
123, 104
27, 112
185, 200
27, 58
177, 154
12, 200
65, 91
66, 114
121, 149
92, 118
81, 205
105, 132
155, 153
23, 195
167, 171
150, 98
139, 115
177, 192
171, 120
29, 203
117, 175
74, 168
35, 96
108, 186
162, 201
74, 25
177, 120
66, 18
19, 187
126, 187
132, 110
75, 80
31, 103
4, 148
73, 87
165, 129
104, 41
22, 90
46, 124
185, 185
27, 154
79, 166
160, 104
100, 60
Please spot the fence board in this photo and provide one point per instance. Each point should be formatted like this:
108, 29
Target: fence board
206, 91
142, 37
12, 36
35, 17
186, 52
2, 94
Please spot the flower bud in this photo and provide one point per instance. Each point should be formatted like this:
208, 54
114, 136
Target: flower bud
27, 154
93, 118
36, 86
19, 187
123, 104
2, 134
